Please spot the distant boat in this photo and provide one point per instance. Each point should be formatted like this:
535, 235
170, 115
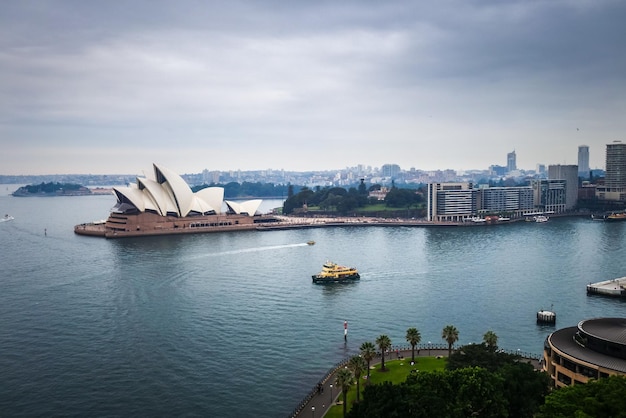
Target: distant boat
6, 217
614, 217
311, 242
541, 218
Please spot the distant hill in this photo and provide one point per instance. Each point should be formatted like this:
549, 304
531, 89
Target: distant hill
52, 189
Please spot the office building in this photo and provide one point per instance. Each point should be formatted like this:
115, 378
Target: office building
569, 173
614, 187
506, 200
390, 170
451, 202
511, 162
549, 195
583, 161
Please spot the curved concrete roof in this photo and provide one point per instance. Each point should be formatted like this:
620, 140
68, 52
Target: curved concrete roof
168, 194
250, 206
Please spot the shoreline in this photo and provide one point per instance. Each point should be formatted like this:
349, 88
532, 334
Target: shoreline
320, 403
284, 222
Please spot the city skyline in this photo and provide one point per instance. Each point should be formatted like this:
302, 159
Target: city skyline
96, 88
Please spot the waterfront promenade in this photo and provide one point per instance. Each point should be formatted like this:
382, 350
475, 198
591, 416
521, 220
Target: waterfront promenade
324, 394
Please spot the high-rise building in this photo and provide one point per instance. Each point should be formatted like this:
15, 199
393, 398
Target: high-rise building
390, 170
569, 173
615, 178
511, 163
583, 161
615, 165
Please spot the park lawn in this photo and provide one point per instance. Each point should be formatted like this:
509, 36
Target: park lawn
397, 372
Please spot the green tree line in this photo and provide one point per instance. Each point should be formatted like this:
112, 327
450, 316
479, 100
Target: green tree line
345, 201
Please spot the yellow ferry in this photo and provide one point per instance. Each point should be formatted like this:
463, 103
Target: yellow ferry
334, 273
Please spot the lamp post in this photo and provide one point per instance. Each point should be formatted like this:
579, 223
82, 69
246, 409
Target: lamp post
331, 393
428, 348
313, 411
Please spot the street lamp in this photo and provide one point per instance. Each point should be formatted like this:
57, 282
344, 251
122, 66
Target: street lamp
313, 411
331, 394
428, 348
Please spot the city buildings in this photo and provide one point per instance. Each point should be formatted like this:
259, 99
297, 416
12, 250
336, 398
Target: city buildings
459, 202
593, 349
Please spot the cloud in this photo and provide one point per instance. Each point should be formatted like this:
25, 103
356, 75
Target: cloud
368, 79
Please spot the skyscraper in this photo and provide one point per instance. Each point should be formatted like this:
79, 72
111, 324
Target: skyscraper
615, 179
583, 161
616, 165
511, 164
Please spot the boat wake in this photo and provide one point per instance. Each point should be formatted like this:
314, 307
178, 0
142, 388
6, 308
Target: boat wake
257, 249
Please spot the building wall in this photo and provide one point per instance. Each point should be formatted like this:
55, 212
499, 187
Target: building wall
506, 199
549, 195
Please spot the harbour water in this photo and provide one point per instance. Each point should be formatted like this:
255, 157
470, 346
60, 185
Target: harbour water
230, 325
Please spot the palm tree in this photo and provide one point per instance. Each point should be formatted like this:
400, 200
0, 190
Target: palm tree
491, 340
344, 380
368, 351
451, 335
414, 337
357, 366
383, 342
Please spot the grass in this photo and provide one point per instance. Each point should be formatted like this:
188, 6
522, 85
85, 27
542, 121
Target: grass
397, 372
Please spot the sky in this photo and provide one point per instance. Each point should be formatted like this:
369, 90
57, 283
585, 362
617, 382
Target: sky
104, 87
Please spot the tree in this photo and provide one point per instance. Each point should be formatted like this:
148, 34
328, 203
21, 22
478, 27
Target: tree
344, 380
362, 188
413, 337
357, 366
368, 351
524, 388
451, 335
479, 355
384, 343
598, 398
490, 339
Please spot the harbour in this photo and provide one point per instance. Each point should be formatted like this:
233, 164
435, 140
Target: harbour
196, 324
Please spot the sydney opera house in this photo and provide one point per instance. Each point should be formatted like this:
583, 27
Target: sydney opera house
165, 205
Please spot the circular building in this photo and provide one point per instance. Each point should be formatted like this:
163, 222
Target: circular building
593, 349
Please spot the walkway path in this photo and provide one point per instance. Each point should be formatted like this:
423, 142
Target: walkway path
321, 401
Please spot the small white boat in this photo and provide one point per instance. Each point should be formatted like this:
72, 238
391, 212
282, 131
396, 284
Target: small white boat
6, 217
541, 218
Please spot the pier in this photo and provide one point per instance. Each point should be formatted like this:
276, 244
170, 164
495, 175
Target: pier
614, 288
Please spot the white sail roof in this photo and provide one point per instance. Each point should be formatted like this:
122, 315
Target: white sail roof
167, 194
250, 206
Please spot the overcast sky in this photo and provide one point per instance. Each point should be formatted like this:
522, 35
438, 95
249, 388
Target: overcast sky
113, 86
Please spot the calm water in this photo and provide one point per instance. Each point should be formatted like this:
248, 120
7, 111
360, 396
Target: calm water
230, 324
